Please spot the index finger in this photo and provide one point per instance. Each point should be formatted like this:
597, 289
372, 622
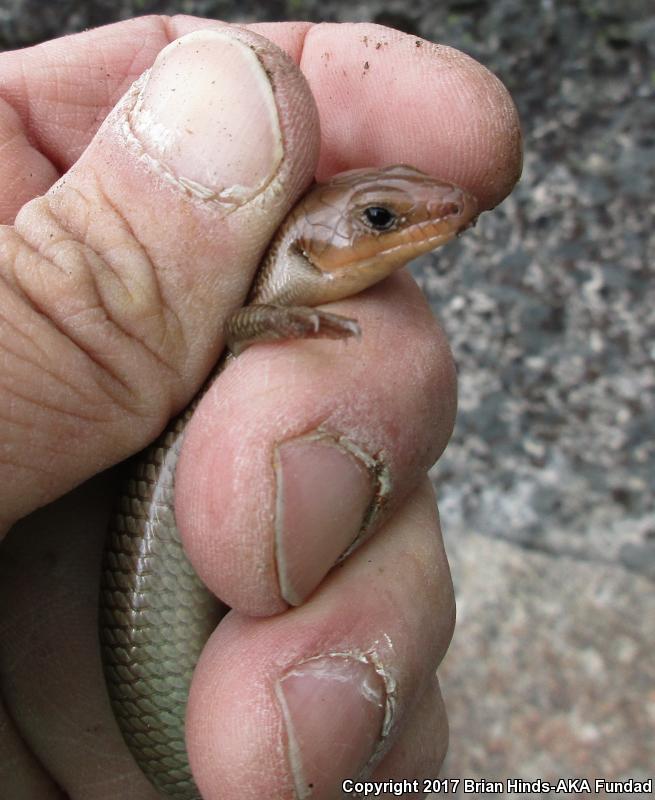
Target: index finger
385, 97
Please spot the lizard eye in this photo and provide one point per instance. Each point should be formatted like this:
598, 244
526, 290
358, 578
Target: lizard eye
379, 218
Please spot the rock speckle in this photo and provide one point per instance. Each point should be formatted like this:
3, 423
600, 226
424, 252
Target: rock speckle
547, 489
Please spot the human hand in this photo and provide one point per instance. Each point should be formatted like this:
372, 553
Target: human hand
116, 284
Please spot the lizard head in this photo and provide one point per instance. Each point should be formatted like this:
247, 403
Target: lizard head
364, 224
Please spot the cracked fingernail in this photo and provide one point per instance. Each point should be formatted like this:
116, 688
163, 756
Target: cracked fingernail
324, 490
207, 116
334, 710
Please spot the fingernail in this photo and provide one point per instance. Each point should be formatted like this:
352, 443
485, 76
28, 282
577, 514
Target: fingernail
207, 117
334, 712
324, 490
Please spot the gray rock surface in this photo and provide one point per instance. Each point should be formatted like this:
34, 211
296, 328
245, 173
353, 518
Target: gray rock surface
547, 490
551, 671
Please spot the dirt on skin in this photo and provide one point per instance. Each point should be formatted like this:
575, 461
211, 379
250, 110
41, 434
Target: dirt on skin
547, 488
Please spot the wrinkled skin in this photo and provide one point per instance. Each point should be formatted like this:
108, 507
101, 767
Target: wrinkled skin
116, 282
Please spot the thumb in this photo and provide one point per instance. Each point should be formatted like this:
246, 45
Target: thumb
117, 281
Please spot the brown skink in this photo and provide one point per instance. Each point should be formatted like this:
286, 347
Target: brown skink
342, 237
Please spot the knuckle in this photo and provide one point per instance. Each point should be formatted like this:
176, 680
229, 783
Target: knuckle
73, 260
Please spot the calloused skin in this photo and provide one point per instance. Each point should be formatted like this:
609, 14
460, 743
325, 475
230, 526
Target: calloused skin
81, 390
